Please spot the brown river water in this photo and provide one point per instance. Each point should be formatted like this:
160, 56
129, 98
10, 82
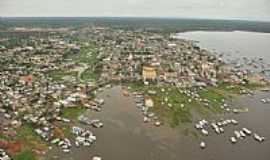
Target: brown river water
125, 136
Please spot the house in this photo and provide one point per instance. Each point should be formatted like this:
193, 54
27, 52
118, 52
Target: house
149, 102
149, 73
27, 79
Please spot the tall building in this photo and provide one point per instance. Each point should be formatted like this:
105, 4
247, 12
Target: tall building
149, 73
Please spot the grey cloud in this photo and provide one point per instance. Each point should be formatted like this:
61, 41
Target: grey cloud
246, 9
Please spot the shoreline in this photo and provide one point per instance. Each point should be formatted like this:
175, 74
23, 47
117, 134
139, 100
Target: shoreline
113, 115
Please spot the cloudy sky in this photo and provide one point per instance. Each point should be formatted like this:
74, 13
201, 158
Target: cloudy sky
223, 9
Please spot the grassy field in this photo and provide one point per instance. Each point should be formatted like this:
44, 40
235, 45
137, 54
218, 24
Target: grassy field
89, 75
60, 75
25, 155
173, 111
73, 113
30, 141
88, 56
170, 110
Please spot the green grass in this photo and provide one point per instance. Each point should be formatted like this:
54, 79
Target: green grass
30, 140
176, 115
25, 155
3, 137
73, 112
59, 75
88, 55
89, 75
27, 132
215, 97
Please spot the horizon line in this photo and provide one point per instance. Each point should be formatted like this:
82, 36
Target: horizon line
143, 17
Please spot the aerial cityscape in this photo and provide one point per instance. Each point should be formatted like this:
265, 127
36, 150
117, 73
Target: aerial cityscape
138, 86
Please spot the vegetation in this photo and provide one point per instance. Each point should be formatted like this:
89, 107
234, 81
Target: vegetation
175, 113
168, 25
27, 134
87, 55
30, 141
173, 110
60, 75
3, 137
25, 155
73, 113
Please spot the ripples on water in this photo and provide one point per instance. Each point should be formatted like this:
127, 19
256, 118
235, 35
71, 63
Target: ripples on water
249, 50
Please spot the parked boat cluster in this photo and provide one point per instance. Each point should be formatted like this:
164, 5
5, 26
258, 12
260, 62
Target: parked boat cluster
243, 133
144, 105
83, 138
218, 127
265, 100
96, 123
4, 155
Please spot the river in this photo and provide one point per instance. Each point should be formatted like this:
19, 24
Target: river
236, 44
125, 136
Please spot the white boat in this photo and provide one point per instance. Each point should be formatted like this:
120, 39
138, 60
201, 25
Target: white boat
233, 140
229, 121
242, 134
217, 130
247, 131
202, 145
146, 119
157, 123
221, 130
235, 122
258, 138
198, 126
225, 123
205, 132
219, 123
66, 150
237, 134
213, 125
96, 158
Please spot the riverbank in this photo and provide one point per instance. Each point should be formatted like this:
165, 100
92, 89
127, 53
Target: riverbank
125, 136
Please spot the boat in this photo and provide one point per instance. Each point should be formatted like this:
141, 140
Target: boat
243, 135
146, 119
237, 134
221, 130
217, 130
258, 138
66, 150
96, 158
247, 131
157, 123
233, 140
198, 126
202, 145
205, 132
235, 122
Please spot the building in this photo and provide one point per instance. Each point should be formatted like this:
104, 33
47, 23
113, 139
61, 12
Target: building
149, 102
149, 73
